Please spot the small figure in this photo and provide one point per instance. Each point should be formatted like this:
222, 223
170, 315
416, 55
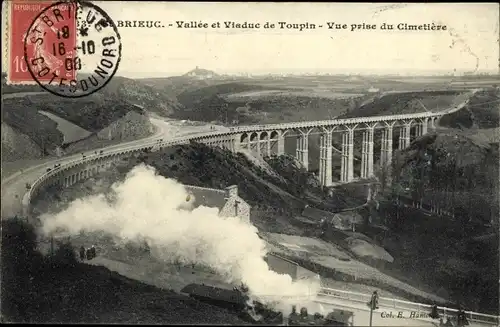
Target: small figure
374, 300
88, 254
462, 318
434, 312
93, 251
82, 253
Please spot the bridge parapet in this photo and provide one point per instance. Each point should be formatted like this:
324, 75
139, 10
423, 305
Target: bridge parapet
89, 159
191, 187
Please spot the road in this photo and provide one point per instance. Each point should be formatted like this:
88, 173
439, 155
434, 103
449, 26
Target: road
384, 316
14, 186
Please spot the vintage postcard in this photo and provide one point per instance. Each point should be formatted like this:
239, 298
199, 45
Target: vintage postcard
250, 163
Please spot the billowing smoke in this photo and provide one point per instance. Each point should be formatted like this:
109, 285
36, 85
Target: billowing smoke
148, 207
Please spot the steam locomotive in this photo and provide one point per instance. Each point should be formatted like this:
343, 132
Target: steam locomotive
238, 301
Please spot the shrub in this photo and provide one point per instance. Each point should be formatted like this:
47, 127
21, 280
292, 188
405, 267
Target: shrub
20, 264
64, 257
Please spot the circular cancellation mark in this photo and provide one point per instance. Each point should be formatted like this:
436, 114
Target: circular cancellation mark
72, 48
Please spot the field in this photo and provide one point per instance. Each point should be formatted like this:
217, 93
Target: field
320, 93
333, 257
70, 131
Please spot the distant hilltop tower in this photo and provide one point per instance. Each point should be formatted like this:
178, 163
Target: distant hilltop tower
200, 73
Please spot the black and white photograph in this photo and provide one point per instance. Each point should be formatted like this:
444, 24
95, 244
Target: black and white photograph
250, 163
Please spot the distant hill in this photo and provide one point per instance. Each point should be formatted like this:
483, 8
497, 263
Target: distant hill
138, 93
201, 73
210, 103
119, 89
6, 89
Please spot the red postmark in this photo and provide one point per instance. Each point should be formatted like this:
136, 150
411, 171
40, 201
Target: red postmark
52, 36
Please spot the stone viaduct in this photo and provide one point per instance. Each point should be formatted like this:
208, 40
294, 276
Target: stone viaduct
265, 140
261, 139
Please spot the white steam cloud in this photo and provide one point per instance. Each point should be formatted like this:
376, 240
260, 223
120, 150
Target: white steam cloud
146, 206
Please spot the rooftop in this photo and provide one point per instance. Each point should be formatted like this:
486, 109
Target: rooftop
215, 293
207, 197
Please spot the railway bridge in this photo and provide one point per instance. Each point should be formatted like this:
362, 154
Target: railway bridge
261, 140
266, 140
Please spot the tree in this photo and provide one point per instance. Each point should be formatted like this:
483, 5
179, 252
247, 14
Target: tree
20, 266
64, 257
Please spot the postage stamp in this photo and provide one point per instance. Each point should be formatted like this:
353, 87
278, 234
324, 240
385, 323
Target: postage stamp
22, 14
69, 48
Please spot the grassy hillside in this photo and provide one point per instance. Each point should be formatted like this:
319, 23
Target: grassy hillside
399, 103
59, 289
200, 165
452, 169
121, 89
210, 103
462, 176
135, 92
22, 115
482, 111
17, 146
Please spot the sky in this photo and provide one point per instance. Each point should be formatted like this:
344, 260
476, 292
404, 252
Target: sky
470, 43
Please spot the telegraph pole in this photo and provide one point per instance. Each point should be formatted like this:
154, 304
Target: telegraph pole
51, 245
373, 304
371, 315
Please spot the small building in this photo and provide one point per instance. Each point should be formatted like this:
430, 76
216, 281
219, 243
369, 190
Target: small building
227, 201
284, 266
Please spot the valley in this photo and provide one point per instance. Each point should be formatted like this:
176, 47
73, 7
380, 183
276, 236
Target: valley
414, 257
